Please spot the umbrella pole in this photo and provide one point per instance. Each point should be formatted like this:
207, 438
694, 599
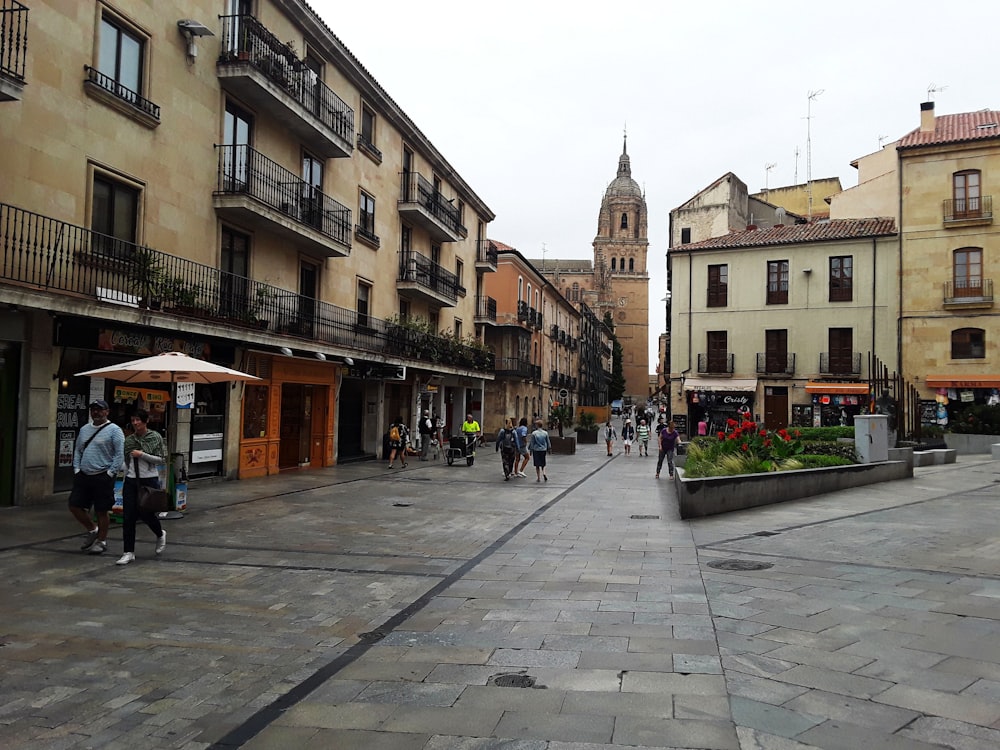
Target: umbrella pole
172, 515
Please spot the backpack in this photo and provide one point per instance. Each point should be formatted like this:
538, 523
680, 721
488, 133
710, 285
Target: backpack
394, 435
508, 440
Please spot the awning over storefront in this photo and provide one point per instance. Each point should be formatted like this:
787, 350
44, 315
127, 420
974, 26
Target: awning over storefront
843, 389
963, 381
720, 384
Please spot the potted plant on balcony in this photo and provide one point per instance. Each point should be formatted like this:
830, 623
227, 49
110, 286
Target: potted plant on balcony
257, 315
145, 271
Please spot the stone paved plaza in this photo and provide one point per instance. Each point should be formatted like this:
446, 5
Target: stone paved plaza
358, 607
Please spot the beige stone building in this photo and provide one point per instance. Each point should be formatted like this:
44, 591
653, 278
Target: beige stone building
948, 322
779, 323
616, 281
240, 188
534, 333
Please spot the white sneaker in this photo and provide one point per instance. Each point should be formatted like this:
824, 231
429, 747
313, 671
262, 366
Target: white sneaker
97, 548
161, 542
126, 558
522, 474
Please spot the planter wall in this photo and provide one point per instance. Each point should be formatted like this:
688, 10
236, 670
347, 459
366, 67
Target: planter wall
586, 436
563, 445
713, 495
968, 443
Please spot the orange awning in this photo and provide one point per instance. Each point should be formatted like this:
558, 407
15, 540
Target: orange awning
963, 381
857, 389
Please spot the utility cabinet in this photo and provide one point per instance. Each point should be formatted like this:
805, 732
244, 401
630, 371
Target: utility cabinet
871, 437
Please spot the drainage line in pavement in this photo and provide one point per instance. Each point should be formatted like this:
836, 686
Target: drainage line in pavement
259, 721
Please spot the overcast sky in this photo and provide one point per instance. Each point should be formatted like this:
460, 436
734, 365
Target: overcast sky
528, 101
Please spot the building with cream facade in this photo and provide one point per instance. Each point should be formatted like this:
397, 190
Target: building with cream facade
224, 179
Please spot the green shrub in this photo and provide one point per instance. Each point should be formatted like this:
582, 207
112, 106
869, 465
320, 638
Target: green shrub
815, 461
825, 448
586, 421
829, 434
977, 420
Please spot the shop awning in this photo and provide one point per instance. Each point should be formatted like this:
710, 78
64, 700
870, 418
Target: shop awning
720, 384
857, 389
963, 381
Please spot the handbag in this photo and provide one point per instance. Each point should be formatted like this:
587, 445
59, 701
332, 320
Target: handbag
150, 499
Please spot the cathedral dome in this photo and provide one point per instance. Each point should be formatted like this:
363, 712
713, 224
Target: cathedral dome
623, 186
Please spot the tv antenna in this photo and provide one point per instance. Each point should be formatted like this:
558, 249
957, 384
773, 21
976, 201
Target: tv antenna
809, 190
543, 257
882, 139
795, 180
933, 89
767, 175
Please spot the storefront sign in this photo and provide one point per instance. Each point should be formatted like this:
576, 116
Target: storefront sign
141, 343
126, 393
185, 395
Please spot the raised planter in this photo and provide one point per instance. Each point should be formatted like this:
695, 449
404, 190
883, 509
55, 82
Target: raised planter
966, 443
713, 495
586, 436
563, 445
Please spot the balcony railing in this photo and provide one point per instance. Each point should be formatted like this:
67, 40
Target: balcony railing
245, 171
416, 190
486, 254
775, 364
514, 367
840, 363
127, 95
13, 39
247, 40
968, 292
979, 208
486, 309
522, 311
37, 252
715, 363
417, 268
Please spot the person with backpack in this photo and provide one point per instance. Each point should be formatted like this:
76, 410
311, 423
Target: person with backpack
509, 446
610, 435
540, 446
668, 444
397, 441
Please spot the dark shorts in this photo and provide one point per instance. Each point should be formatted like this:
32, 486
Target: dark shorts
97, 491
538, 459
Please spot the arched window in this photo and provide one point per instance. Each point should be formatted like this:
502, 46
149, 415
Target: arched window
576, 292
968, 343
528, 298
520, 288
614, 264
631, 264
624, 221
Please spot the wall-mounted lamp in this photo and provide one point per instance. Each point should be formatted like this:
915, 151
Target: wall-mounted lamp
320, 356
191, 31
285, 351
348, 361
807, 270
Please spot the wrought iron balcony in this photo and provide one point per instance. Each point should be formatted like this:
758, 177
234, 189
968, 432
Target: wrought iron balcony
554, 378
840, 363
514, 367
716, 363
775, 364
554, 331
38, 253
257, 191
486, 255
422, 277
968, 293
486, 310
266, 73
421, 203
977, 210
105, 86
522, 311
13, 49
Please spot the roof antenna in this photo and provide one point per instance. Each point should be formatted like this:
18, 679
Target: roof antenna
933, 89
767, 175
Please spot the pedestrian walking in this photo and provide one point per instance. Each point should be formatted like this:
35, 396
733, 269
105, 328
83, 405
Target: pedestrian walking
508, 444
668, 445
471, 431
398, 434
144, 452
525, 454
610, 435
628, 435
540, 446
426, 429
97, 459
642, 436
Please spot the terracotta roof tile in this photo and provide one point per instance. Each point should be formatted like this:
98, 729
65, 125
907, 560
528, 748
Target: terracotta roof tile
838, 229
966, 126
502, 246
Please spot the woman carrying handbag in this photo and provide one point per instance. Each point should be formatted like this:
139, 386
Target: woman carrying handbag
144, 451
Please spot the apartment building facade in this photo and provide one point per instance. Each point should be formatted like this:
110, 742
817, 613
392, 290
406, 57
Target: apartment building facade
224, 179
778, 323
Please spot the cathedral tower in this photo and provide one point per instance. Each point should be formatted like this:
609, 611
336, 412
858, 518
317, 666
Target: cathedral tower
620, 277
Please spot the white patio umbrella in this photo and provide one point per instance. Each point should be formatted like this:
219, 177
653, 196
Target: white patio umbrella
172, 368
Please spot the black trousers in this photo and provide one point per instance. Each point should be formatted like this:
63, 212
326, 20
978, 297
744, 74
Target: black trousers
131, 513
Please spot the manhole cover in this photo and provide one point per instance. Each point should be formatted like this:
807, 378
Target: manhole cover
644, 518
372, 636
401, 505
514, 680
740, 565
